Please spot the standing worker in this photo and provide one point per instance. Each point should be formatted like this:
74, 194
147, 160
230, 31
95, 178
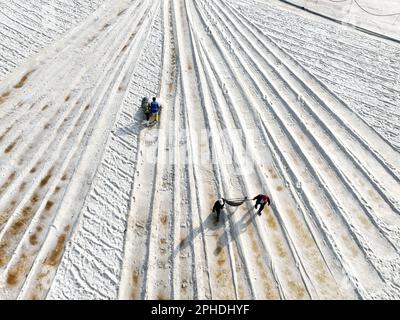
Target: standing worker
262, 199
218, 206
146, 109
155, 108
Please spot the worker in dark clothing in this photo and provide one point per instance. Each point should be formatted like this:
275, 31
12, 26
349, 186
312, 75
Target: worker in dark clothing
261, 200
218, 206
146, 109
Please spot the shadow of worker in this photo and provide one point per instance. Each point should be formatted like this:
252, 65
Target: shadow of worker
233, 233
210, 224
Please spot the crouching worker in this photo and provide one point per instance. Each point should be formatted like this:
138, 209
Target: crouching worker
261, 200
146, 109
218, 206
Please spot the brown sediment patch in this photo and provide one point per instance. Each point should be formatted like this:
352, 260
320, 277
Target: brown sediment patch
274, 176
5, 133
67, 98
11, 146
14, 275
33, 170
218, 250
135, 281
164, 219
39, 228
221, 261
46, 179
55, 255
22, 186
87, 107
298, 290
47, 125
48, 206
23, 80
170, 87
64, 177
33, 239
279, 188
45, 107
190, 67
57, 189
8, 182
124, 48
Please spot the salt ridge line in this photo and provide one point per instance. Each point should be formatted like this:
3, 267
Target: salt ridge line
234, 78
45, 147
367, 212
51, 53
118, 163
220, 275
85, 168
307, 27
120, 79
386, 154
261, 174
320, 75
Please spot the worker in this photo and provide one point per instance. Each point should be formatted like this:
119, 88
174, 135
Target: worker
262, 200
218, 206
